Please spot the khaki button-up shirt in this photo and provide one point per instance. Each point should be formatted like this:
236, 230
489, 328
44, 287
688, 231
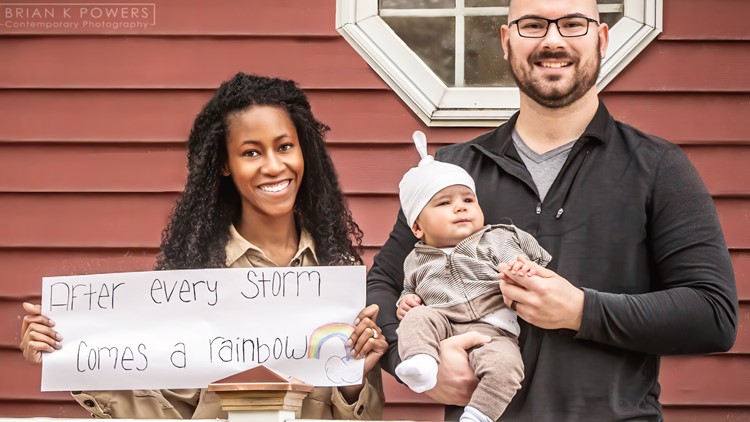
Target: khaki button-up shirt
321, 403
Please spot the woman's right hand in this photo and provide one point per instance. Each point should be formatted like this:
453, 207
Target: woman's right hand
37, 335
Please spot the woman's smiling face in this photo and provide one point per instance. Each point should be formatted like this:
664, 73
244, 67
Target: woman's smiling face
264, 159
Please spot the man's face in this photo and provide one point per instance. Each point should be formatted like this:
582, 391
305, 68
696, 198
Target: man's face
554, 71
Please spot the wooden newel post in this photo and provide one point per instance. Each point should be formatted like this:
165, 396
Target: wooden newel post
260, 395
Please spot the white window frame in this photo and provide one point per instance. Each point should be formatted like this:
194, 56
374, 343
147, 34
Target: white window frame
359, 22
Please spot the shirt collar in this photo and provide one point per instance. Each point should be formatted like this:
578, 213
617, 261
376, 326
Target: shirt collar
238, 246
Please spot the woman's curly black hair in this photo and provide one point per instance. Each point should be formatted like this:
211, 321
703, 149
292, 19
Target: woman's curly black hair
198, 228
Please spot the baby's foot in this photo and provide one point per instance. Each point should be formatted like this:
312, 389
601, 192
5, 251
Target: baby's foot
419, 372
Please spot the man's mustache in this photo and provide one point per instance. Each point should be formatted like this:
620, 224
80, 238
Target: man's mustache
552, 55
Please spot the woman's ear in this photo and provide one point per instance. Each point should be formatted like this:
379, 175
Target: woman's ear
225, 170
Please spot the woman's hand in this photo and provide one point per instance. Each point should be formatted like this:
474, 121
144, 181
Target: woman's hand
37, 335
368, 342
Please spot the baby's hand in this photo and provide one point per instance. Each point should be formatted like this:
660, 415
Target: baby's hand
521, 268
407, 302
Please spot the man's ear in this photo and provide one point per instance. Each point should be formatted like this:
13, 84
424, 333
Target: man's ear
505, 40
417, 230
603, 35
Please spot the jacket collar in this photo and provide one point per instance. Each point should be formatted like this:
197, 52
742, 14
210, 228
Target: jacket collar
238, 246
500, 139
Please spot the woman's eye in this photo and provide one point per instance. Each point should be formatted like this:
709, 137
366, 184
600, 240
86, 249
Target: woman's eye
250, 153
286, 147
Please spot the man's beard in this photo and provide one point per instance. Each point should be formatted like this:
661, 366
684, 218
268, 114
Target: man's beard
585, 79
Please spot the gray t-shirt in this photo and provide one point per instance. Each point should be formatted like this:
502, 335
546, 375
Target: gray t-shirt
544, 168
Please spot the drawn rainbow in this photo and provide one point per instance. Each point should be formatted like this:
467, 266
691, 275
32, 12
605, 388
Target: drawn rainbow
327, 332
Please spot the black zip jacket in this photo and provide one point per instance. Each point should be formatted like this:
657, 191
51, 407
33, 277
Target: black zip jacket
629, 221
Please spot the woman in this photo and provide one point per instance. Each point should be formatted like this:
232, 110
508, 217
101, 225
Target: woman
261, 191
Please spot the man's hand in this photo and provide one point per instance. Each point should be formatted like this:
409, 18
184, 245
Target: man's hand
456, 381
407, 302
545, 299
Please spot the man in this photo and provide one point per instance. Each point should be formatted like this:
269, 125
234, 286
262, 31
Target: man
640, 268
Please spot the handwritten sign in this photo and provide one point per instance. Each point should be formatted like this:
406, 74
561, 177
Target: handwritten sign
188, 328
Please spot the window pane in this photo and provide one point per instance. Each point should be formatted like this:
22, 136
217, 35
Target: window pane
417, 4
433, 39
610, 18
487, 3
485, 65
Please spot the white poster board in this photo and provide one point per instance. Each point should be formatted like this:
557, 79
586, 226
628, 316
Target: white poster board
188, 328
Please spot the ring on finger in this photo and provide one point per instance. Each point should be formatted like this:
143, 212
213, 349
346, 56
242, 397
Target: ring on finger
513, 305
374, 332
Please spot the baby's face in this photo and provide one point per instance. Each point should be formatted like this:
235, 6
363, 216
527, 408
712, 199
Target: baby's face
449, 217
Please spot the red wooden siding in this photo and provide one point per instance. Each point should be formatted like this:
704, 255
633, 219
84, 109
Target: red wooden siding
92, 130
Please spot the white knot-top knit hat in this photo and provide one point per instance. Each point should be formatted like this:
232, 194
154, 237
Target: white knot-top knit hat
421, 183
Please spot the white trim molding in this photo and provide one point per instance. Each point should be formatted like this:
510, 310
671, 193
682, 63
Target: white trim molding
437, 104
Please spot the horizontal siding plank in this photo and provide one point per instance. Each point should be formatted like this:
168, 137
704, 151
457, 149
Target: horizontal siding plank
56, 167
706, 414
413, 412
723, 168
716, 380
685, 118
216, 18
42, 409
705, 20
194, 63
355, 116
714, 66
86, 220
140, 167
741, 264
78, 220
734, 215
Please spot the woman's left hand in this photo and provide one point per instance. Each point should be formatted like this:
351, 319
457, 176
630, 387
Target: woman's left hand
367, 341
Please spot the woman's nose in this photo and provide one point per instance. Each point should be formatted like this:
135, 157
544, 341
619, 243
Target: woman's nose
272, 164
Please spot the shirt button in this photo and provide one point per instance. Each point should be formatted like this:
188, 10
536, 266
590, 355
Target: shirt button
89, 403
295, 262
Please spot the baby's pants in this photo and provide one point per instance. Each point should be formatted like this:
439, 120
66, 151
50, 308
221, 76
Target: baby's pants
497, 364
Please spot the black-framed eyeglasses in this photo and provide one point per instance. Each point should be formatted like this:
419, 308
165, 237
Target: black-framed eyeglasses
567, 26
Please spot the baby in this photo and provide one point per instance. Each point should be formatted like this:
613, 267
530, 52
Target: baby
453, 272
